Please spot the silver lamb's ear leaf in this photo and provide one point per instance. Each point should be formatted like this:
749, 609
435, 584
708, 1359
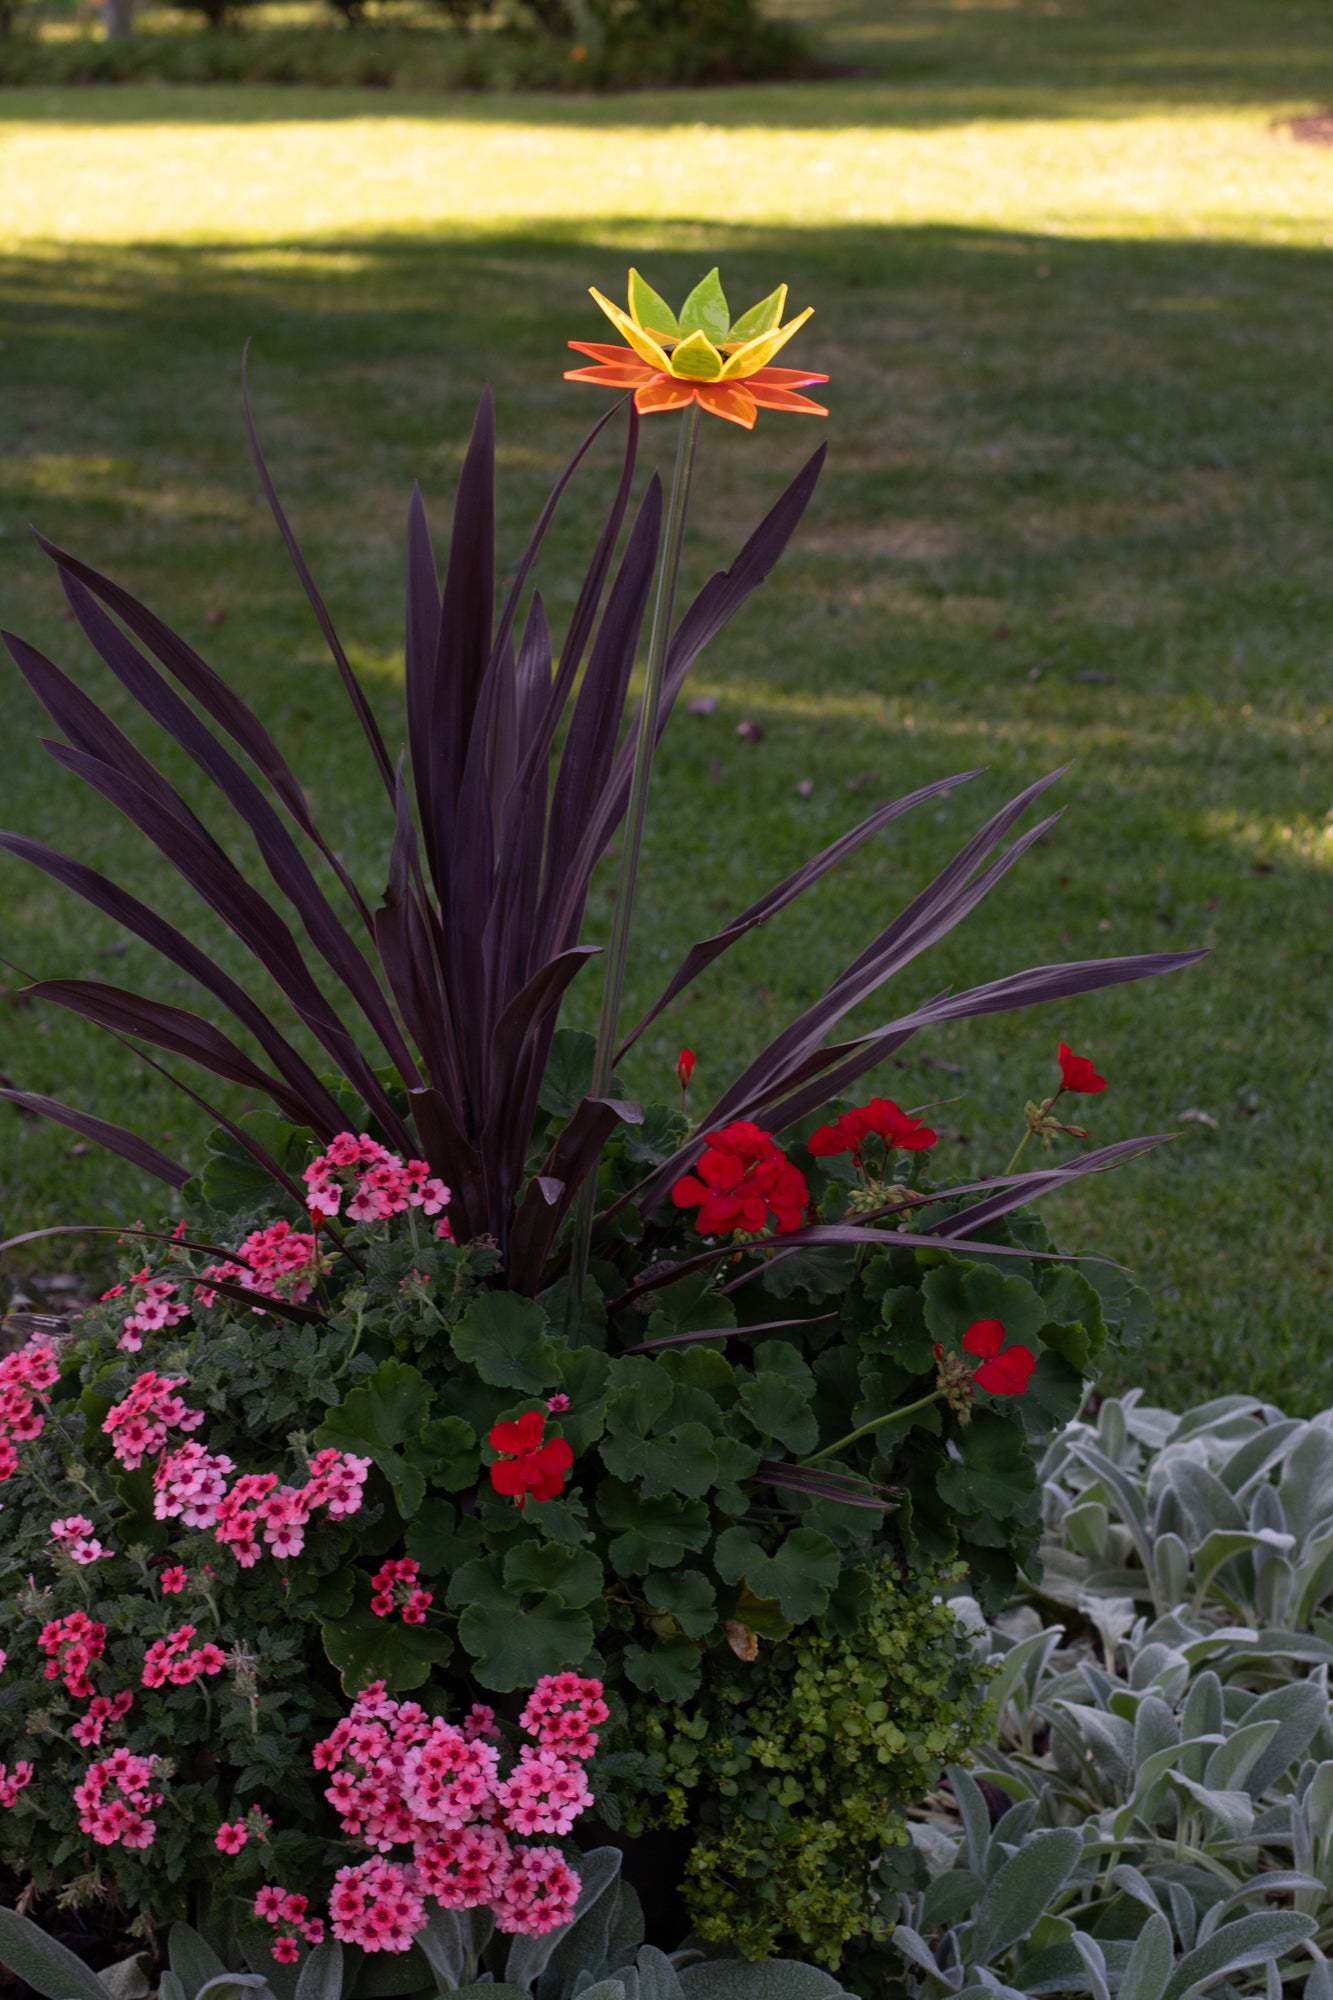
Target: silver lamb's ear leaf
1094, 1964
1024, 1890
1231, 1763
453, 1941
45, 1965
605, 1989
127, 1980
767, 1979
976, 1818
321, 1977
169, 1987
658, 1978
1249, 1941
1150, 1962
236, 1986
192, 1959
1300, 1708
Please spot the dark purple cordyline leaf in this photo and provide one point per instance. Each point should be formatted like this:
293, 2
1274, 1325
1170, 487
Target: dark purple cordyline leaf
463, 645
825, 1235
720, 1333
514, 590
700, 956
212, 693
356, 694
114, 1137
585, 761
821, 1484
1032, 1186
575, 1155
508, 1134
420, 637
457, 1162
281, 856
172, 1028
319, 1109
262, 1301
1046, 982
720, 598
246, 912
119, 1229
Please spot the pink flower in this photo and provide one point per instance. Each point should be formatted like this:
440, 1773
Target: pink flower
286, 1950
173, 1580
230, 1839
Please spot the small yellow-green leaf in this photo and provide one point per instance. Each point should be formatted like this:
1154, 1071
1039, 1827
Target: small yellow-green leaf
651, 310
697, 358
706, 309
761, 318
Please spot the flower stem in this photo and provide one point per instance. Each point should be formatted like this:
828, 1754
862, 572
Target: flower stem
890, 1417
617, 951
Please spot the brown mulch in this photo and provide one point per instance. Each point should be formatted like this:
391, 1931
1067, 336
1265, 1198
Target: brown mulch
1314, 130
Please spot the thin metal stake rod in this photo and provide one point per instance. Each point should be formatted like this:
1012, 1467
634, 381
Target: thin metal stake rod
617, 951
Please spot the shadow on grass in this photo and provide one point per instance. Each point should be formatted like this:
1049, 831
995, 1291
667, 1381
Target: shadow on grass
1081, 515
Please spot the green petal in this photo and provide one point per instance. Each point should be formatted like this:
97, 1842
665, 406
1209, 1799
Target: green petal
706, 309
761, 318
651, 310
697, 359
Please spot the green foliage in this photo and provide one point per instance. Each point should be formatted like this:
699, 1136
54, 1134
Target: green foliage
794, 1768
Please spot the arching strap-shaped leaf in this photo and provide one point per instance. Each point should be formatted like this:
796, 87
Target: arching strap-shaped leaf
114, 1137
700, 956
279, 851
355, 692
320, 1109
574, 1156
173, 1028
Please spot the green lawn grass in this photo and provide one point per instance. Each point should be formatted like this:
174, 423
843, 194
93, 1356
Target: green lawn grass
1073, 290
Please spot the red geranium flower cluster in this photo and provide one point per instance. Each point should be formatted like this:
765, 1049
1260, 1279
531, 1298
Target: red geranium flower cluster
880, 1119
742, 1178
529, 1465
1004, 1371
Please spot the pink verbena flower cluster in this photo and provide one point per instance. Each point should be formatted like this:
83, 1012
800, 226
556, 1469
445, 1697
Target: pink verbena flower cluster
114, 1802
153, 1305
561, 1712
280, 1261
139, 1424
395, 1582
103, 1712
12, 1782
375, 1183
286, 1910
71, 1645
174, 1659
25, 1377
192, 1483
402, 1778
74, 1535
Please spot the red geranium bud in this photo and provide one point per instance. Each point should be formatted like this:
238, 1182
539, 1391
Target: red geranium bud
1077, 1073
1004, 1373
685, 1066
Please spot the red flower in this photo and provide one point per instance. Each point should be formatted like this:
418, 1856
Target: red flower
529, 1466
742, 1178
1004, 1374
880, 1119
1078, 1074
685, 1067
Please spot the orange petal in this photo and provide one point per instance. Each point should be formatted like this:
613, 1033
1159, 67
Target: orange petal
626, 377
785, 399
663, 394
601, 350
781, 378
729, 400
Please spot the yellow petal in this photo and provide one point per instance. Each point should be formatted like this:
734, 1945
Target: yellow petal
696, 359
757, 353
643, 343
